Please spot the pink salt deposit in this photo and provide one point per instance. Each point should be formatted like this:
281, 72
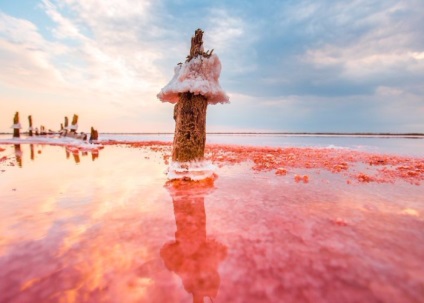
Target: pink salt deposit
116, 230
199, 76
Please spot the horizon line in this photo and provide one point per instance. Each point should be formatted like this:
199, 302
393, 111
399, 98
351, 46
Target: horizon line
409, 134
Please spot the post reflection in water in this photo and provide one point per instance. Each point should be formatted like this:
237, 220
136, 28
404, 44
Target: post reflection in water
18, 154
94, 155
76, 157
76, 154
31, 147
193, 256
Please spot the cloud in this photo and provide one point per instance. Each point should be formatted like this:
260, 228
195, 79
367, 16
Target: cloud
96, 55
384, 48
287, 65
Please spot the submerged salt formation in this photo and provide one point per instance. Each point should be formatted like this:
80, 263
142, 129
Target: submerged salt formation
194, 85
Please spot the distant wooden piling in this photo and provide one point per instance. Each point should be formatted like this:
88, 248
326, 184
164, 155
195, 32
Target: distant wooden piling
16, 126
30, 126
94, 135
74, 124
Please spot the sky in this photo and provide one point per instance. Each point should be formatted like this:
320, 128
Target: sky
287, 66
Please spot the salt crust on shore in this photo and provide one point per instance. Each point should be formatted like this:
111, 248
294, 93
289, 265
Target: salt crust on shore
353, 166
62, 141
195, 171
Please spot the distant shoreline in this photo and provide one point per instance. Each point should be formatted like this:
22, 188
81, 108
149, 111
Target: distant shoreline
318, 134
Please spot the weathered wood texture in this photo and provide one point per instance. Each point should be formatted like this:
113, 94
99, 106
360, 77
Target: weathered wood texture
190, 128
190, 115
196, 48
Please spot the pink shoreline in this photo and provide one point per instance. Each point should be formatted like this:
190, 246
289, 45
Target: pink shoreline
354, 166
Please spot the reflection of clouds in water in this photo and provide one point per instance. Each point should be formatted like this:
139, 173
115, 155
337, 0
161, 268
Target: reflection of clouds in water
106, 230
104, 262
84, 233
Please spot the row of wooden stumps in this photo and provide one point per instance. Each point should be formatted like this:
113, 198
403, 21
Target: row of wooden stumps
94, 135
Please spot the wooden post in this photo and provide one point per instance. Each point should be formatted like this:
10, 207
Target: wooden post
94, 135
190, 128
74, 124
16, 126
190, 116
30, 125
65, 127
194, 85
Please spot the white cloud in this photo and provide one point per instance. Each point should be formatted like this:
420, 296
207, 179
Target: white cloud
112, 61
85, 67
26, 56
113, 56
386, 46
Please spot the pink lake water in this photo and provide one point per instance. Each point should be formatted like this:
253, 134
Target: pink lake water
332, 220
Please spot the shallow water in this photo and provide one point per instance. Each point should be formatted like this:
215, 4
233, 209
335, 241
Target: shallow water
106, 226
401, 145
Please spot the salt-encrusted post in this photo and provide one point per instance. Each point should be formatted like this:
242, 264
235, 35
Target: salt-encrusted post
30, 126
16, 126
94, 135
194, 86
65, 127
74, 124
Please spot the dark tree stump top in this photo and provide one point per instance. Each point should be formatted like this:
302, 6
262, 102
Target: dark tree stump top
196, 48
